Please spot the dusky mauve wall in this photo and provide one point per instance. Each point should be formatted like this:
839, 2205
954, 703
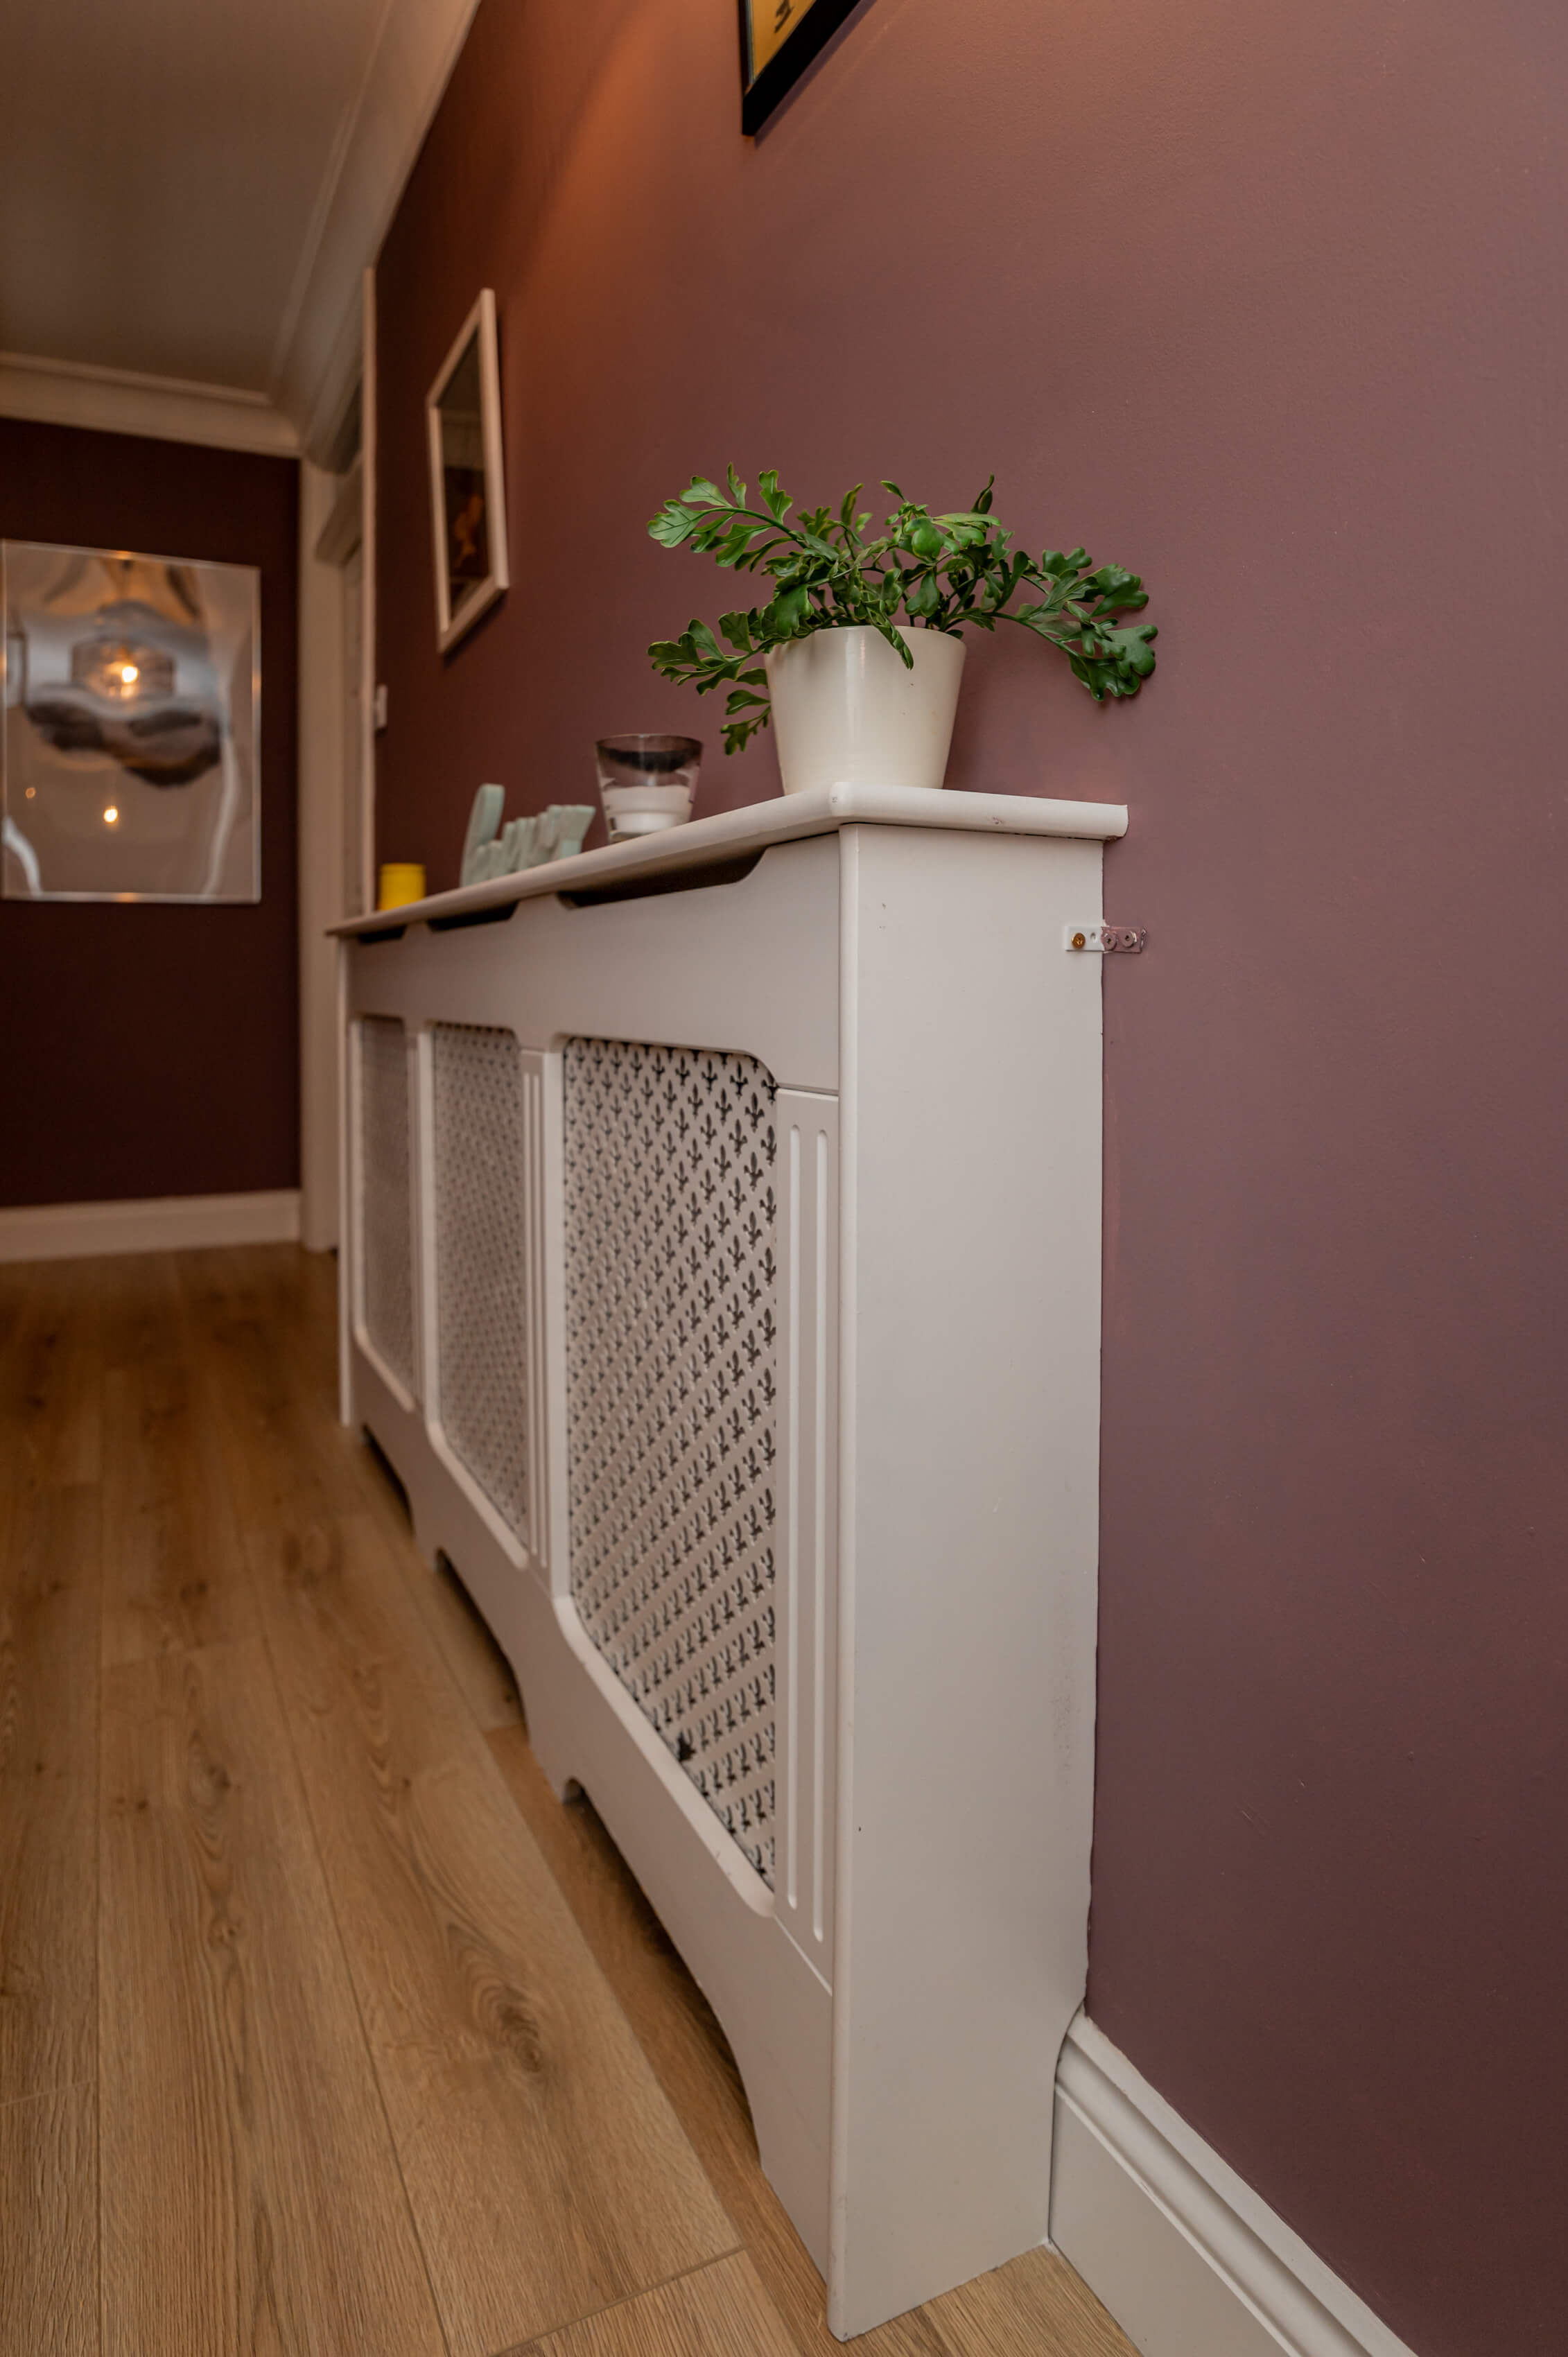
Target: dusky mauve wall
1266, 302
148, 1049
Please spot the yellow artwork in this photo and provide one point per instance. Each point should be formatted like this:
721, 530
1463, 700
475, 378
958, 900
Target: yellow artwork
779, 40
771, 24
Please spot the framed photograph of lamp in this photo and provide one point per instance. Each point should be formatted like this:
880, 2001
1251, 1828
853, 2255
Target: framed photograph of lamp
130, 751
467, 489
778, 39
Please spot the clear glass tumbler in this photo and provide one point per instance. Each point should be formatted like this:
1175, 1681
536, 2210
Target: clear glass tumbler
647, 784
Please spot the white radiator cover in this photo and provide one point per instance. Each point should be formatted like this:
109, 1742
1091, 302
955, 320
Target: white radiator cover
671, 1278
749, 1378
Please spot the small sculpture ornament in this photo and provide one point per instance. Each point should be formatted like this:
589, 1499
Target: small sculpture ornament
489, 849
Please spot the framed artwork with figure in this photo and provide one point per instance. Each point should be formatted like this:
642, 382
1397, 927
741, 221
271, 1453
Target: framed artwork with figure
778, 39
468, 490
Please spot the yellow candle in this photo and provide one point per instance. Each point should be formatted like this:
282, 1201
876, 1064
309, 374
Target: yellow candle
403, 880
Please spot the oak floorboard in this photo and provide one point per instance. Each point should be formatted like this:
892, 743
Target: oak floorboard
261, 1321
17, 1278
173, 1572
138, 1306
720, 2311
255, 1348
480, 1670
270, 1317
51, 1376
676, 2030
1037, 2305
48, 2226
1038, 2296
250, 2197
547, 2173
361, 1477
48, 1788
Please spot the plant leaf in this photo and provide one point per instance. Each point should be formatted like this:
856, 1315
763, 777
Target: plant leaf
825, 574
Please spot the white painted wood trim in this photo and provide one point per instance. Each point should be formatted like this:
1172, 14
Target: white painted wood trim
364, 884
322, 692
157, 1223
343, 530
808, 1523
379, 140
121, 400
732, 835
969, 1524
839, 2115
1187, 2258
347, 1241
317, 355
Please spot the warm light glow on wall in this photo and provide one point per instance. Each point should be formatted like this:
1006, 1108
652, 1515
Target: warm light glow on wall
110, 816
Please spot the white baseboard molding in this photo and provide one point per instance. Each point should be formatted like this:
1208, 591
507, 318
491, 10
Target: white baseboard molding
1186, 2257
162, 1224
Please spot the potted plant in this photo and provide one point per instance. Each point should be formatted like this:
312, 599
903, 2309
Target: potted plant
857, 657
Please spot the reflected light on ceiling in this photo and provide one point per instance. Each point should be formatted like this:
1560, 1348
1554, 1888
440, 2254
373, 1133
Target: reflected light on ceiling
110, 816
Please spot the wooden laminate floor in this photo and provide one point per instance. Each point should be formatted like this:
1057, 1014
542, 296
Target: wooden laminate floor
325, 2030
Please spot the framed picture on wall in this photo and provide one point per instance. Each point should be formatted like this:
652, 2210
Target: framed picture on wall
468, 490
130, 761
778, 39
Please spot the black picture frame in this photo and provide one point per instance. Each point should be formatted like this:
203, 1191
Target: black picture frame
761, 91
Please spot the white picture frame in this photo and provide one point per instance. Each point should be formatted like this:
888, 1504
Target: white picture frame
468, 485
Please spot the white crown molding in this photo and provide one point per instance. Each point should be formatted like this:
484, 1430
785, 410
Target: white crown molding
119, 401
317, 355
1187, 2258
159, 1223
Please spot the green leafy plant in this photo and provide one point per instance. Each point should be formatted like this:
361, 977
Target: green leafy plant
947, 571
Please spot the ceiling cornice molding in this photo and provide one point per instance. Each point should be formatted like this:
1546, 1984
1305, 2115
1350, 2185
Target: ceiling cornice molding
318, 360
119, 401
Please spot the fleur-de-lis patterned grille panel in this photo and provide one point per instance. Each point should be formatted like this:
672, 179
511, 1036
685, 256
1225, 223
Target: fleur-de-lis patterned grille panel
672, 1384
481, 1260
385, 1226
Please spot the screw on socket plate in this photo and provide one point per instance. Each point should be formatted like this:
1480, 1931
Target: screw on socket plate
1123, 941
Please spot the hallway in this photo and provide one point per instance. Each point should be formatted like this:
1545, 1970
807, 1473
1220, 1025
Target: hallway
323, 2026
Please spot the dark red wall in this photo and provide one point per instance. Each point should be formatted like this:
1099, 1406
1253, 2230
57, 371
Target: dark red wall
149, 1050
1267, 303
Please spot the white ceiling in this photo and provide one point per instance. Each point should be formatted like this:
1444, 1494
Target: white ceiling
189, 189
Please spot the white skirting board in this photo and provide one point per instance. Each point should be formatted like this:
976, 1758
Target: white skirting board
159, 1224
1186, 2257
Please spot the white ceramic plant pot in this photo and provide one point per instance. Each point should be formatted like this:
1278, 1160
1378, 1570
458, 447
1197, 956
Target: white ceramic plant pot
846, 712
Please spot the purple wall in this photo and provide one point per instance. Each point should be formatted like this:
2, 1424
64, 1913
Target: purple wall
152, 1049
1302, 365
